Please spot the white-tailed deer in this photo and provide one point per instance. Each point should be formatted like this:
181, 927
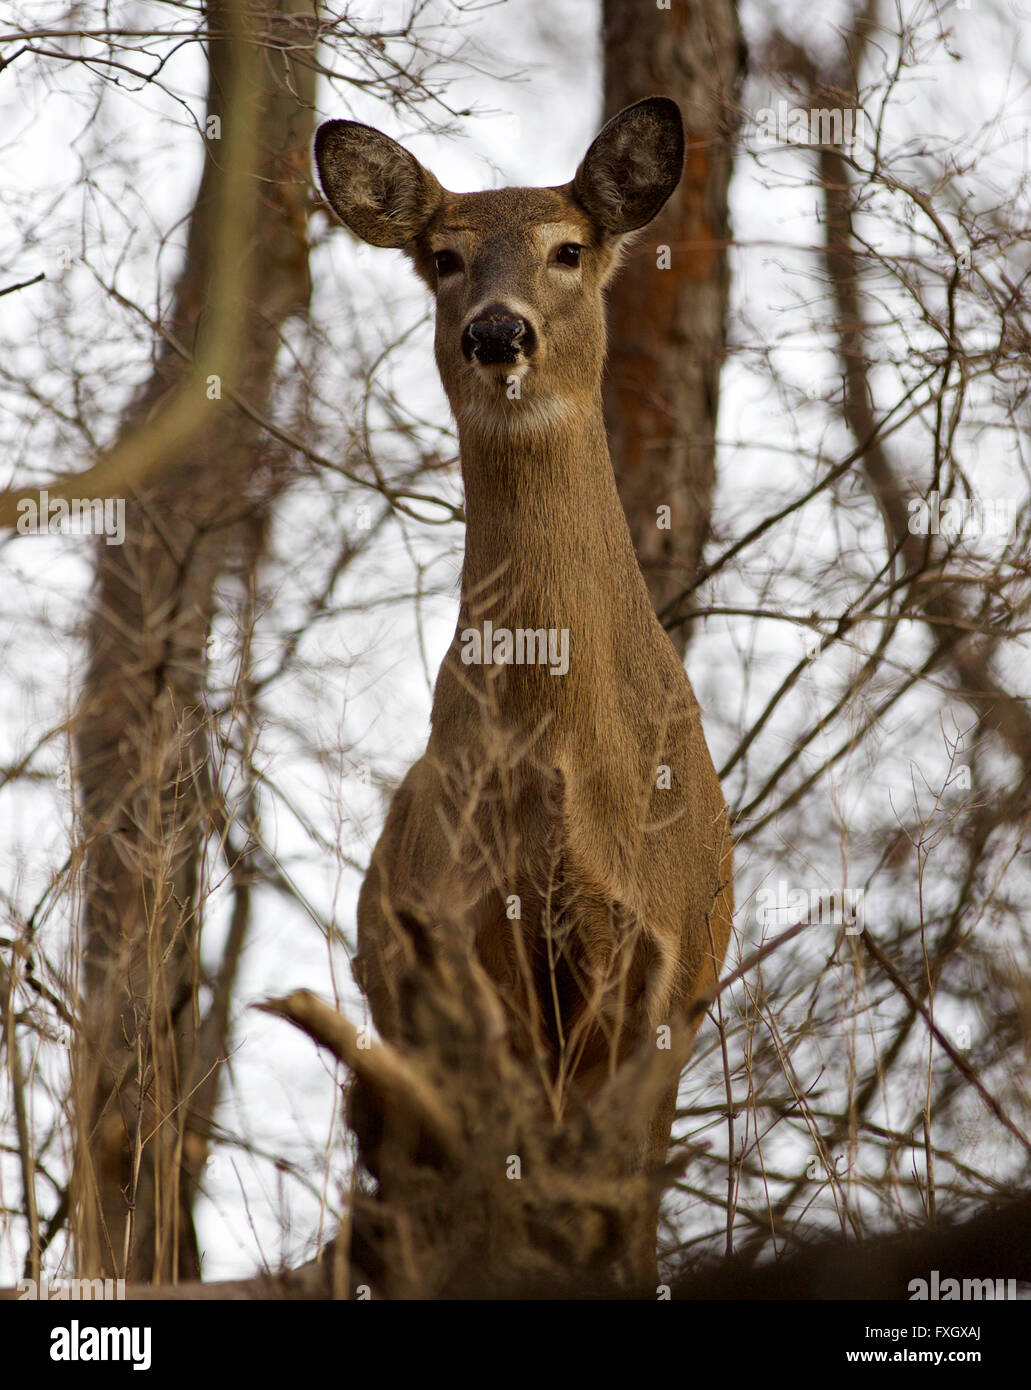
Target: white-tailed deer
566, 815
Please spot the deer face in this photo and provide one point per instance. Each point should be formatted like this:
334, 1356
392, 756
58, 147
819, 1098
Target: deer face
518, 273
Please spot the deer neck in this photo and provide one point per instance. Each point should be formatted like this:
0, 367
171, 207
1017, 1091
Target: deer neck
547, 541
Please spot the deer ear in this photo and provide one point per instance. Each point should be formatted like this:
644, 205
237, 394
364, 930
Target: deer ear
373, 185
633, 166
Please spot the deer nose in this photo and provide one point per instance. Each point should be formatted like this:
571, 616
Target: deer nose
498, 335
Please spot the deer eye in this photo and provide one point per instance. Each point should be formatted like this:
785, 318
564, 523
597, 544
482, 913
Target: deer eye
447, 263
569, 255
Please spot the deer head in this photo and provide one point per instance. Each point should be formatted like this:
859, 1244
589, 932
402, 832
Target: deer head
518, 273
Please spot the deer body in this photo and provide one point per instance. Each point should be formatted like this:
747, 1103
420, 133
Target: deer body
568, 821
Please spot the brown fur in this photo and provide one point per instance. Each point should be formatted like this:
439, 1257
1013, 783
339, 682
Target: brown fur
536, 789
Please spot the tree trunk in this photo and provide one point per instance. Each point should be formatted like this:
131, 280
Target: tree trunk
667, 311
147, 1078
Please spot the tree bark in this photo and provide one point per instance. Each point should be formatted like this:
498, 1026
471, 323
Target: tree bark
667, 329
148, 1074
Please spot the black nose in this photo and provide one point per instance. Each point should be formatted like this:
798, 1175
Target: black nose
498, 335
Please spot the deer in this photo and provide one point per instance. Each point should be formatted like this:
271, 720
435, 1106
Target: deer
566, 818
